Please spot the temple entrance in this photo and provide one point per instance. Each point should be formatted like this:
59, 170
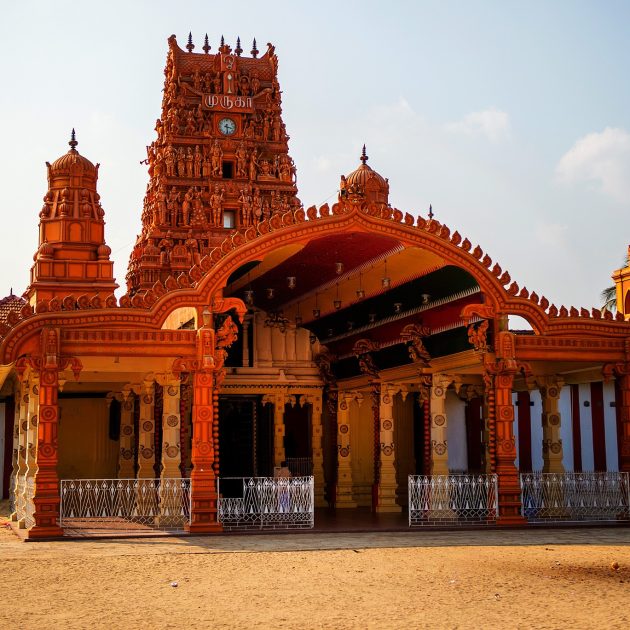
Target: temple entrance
246, 440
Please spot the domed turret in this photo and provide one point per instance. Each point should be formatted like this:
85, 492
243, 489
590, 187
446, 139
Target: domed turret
72, 256
364, 183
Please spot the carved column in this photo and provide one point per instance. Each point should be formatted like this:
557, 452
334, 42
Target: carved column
31, 449
317, 452
345, 483
245, 340
146, 444
439, 442
508, 477
550, 388
47, 497
290, 339
387, 479
127, 446
171, 453
278, 400
16, 447
622, 373
21, 411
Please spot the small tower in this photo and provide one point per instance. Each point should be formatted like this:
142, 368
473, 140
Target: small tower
364, 184
72, 257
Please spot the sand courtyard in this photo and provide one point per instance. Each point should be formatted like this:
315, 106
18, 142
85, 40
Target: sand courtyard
545, 578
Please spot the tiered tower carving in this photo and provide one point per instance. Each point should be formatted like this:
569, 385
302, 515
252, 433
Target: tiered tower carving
220, 161
72, 260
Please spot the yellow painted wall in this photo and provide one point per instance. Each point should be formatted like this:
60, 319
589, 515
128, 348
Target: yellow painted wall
85, 450
362, 449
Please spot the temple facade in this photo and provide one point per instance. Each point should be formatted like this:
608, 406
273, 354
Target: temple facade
355, 346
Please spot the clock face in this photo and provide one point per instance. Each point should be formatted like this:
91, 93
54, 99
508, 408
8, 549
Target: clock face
227, 126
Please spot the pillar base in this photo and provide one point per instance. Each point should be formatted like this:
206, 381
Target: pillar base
38, 532
388, 509
204, 528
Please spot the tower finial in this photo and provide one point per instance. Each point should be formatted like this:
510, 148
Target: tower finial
364, 157
238, 50
206, 45
73, 140
431, 215
222, 41
190, 46
254, 51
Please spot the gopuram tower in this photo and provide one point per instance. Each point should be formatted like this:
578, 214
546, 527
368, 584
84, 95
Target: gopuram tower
220, 161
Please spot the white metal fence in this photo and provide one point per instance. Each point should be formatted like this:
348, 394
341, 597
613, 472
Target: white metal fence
452, 499
266, 502
575, 496
125, 504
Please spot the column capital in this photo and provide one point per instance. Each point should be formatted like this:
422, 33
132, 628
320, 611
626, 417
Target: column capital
549, 386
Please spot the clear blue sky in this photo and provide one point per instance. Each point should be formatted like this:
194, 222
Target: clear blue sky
511, 118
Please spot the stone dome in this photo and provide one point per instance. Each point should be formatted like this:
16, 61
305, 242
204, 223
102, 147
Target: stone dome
365, 182
73, 164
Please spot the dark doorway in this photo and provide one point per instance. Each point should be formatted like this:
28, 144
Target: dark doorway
245, 437
297, 435
474, 434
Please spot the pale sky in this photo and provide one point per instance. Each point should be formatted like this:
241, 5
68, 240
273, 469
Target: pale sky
511, 118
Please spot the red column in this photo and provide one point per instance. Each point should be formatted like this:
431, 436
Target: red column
623, 418
203, 517
509, 483
524, 432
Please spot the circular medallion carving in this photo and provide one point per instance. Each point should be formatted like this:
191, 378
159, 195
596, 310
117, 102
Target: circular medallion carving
387, 399
147, 453
439, 420
556, 448
204, 448
344, 451
506, 413
147, 426
172, 421
172, 451
204, 413
49, 377
25, 426
127, 430
128, 406
552, 392
127, 454
554, 419
46, 450
48, 414
172, 390
440, 448
34, 421
387, 449
387, 425
35, 390
438, 392
343, 405
147, 399
343, 428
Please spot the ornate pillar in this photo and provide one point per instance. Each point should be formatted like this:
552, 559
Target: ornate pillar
316, 444
146, 444
245, 340
439, 442
550, 388
278, 400
47, 495
622, 373
16, 447
171, 452
207, 373
21, 412
127, 446
387, 484
345, 483
31, 449
500, 372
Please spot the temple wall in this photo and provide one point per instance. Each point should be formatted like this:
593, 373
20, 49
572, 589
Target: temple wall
85, 450
456, 433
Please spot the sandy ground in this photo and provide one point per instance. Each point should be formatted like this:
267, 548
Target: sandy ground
492, 579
